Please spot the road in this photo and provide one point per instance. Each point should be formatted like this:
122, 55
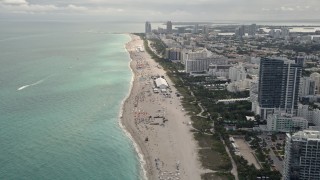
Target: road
234, 170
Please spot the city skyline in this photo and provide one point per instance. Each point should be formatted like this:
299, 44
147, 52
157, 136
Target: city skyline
145, 89
125, 10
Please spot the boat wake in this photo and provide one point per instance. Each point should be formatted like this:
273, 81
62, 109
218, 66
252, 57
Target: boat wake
33, 84
22, 87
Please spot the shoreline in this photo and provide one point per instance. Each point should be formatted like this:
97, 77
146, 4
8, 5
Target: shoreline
164, 151
138, 146
142, 162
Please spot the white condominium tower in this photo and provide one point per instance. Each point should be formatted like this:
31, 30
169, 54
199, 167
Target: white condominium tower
302, 156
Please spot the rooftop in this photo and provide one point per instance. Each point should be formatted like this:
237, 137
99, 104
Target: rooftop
307, 135
284, 59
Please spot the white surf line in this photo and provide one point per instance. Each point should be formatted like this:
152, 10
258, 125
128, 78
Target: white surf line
33, 84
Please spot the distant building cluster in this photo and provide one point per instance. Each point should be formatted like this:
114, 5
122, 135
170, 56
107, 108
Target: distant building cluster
278, 66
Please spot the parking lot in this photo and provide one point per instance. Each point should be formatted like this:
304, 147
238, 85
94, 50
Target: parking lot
275, 159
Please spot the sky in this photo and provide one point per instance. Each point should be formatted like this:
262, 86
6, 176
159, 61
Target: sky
161, 10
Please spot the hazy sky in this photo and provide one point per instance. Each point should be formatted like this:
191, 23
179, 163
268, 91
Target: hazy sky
153, 10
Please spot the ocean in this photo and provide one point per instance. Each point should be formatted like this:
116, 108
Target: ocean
61, 89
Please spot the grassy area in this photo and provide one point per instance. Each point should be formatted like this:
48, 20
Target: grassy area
202, 124
217, 176
158, 45
191, 108
212, 153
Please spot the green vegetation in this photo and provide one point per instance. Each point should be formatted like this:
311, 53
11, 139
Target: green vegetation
274, 137
158, 45
217, 176
212, 152
307, 48
202, 124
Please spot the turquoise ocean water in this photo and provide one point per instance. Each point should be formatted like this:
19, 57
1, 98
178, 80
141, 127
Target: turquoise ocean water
61, 88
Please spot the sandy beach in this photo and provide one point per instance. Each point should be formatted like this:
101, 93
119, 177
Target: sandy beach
157, 121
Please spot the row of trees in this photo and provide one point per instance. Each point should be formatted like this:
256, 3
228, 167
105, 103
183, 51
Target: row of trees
158, 45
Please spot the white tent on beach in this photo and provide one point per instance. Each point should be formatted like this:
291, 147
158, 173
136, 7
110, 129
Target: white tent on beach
161, 83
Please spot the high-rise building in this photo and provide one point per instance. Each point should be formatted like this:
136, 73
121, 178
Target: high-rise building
309, 113
202, 64
272, 32
252, 30
316, 78
302, 156
282, 122
219, 70
196, 29
254, 95
307, 87
277, 34
279, 80
285, 32
239, 32
194, 54
173, 54
169, 27
148, 27
300, 60
205, 29
237, 73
